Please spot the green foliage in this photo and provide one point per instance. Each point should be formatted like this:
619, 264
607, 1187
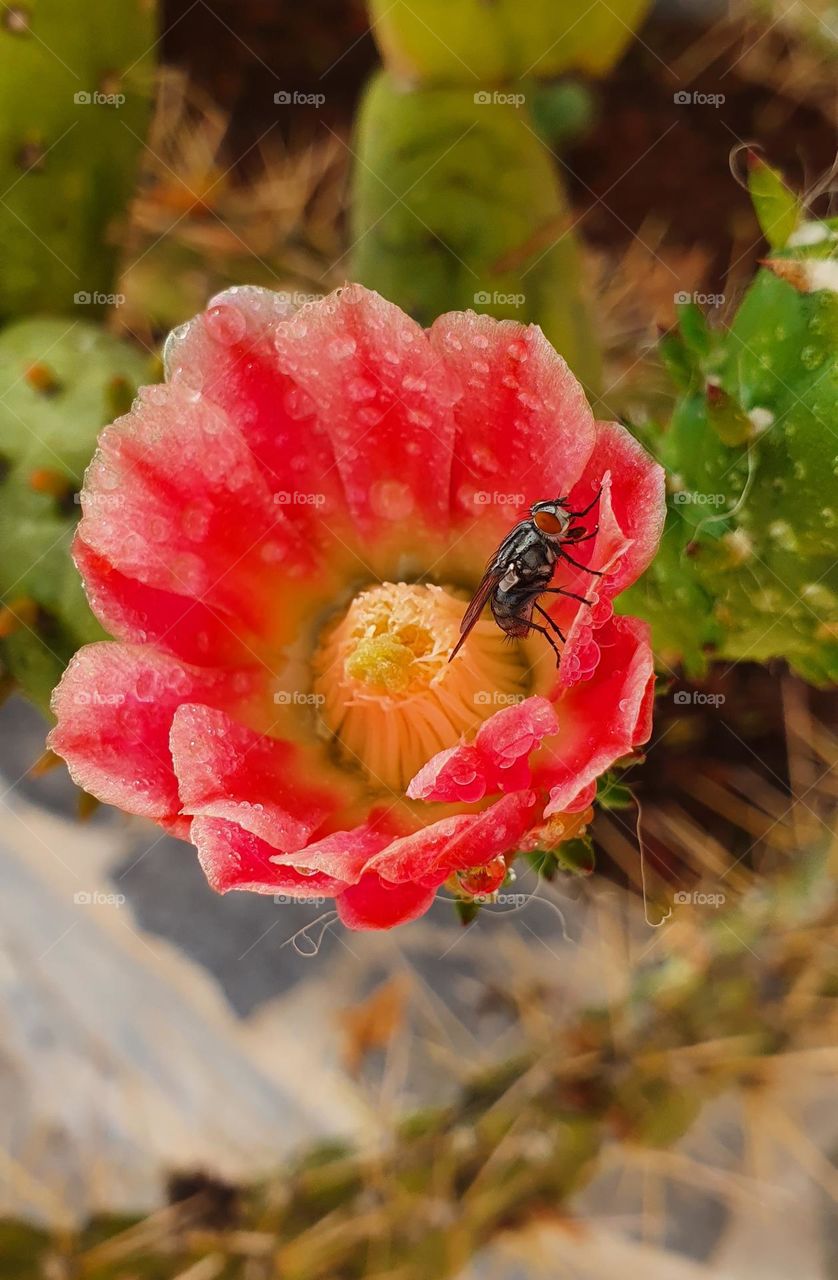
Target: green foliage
577, 856
60, 384
748, 567
457, 206
464, 42
75, 98
778, 208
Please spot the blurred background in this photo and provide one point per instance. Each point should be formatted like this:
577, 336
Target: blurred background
630, 1062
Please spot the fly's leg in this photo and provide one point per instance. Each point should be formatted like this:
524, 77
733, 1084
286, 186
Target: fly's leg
536, 626
597, 573
577, 515
551, 623
560, 591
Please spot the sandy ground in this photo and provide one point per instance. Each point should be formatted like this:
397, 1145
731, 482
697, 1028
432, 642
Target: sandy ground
148, 1025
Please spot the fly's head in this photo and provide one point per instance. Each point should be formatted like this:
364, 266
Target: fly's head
552, 519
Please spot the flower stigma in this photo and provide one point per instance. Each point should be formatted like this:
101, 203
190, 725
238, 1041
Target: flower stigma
390, 696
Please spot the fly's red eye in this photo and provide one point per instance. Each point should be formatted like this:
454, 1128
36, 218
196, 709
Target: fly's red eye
547, 522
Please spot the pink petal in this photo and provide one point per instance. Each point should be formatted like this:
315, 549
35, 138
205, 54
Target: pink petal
231, 349
233, 858
226, 770
524, 427
636, 501
114, 708
375, 904
496, 761
343, 854
603, 718
385, 399
466, 840
174, 498
456, 774
515, 731
132, 611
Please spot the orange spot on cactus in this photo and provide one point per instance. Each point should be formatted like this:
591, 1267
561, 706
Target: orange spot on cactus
18, 613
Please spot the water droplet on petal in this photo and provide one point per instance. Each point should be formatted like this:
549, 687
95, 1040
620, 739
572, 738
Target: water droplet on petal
391, 499
361, 389
298, 404
225, 323
188, 382
342, 348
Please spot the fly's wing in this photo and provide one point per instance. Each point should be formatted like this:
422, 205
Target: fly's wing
488, 584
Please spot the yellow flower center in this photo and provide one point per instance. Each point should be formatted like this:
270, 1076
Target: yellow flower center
390, 696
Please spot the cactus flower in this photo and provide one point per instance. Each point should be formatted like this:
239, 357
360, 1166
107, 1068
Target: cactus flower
283, 539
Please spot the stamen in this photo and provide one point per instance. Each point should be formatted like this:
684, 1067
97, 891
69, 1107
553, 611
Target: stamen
390, 696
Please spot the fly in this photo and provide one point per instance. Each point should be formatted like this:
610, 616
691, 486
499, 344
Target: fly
522, 568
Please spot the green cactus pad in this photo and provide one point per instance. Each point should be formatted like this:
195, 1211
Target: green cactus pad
75, 98
471, 43
749, 564
457, 206
60, 383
